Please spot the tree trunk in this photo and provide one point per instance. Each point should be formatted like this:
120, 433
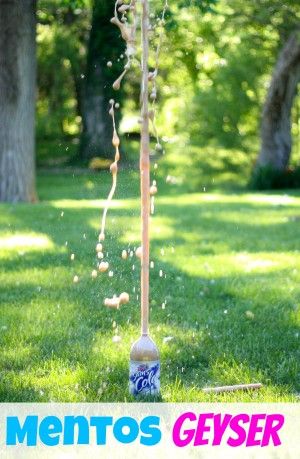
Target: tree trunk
17, 100
104, 45
276, 139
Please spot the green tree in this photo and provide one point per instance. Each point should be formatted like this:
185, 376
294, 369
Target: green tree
104, 45
63, 30
281, 23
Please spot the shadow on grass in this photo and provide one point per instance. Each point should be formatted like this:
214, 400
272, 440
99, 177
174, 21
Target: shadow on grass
87, 186
68, 334
205, 343
216, 227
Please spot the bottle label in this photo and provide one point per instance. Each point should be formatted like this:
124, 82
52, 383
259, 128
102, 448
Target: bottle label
144, 378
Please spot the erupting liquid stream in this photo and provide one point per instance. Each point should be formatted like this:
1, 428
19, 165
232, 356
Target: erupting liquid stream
144, 372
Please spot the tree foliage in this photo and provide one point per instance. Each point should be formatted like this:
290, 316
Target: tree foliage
63, 29
215, 68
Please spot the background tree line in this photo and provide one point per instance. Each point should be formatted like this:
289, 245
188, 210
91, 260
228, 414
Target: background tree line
229, 77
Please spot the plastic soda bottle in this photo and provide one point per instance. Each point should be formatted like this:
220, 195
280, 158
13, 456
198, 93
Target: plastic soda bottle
144, 371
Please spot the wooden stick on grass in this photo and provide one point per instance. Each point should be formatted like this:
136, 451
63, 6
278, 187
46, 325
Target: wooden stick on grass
240, 387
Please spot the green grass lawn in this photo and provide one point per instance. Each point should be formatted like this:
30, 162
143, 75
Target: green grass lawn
230, 286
